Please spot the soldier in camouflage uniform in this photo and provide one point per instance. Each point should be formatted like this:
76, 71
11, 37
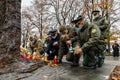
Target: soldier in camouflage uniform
63, 47
37, 44
30, 44
67, 32
87, 39
73, 32
102, 23
40, 46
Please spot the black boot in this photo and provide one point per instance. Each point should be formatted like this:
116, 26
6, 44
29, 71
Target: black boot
90, 67
100, 61
75, 62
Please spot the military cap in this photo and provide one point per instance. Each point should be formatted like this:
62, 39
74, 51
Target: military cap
79, 18
95, 11
53, 32
48, 33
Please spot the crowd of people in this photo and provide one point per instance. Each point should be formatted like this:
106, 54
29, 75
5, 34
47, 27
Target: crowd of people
87, 39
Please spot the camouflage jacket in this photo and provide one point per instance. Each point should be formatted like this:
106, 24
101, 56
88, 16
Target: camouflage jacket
88, 36
102, 23
73, 34
63, 47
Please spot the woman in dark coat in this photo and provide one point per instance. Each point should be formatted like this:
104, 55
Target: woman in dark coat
115, 47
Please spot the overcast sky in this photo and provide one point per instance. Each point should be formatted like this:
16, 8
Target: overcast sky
26, 3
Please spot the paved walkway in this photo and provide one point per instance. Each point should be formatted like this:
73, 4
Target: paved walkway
66, 72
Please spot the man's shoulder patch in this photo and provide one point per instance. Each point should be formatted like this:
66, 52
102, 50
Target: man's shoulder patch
94, 30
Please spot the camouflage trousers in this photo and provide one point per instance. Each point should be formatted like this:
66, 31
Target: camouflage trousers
100, 54
100, 50
89, 57
69, 56
62, 51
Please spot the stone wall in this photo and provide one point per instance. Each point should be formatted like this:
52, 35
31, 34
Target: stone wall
10, 27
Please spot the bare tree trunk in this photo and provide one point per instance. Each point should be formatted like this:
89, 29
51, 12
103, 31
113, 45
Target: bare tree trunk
93, 7
10, 28
41, 26
108, 35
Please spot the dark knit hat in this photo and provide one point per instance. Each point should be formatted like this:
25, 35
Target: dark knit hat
62, 28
